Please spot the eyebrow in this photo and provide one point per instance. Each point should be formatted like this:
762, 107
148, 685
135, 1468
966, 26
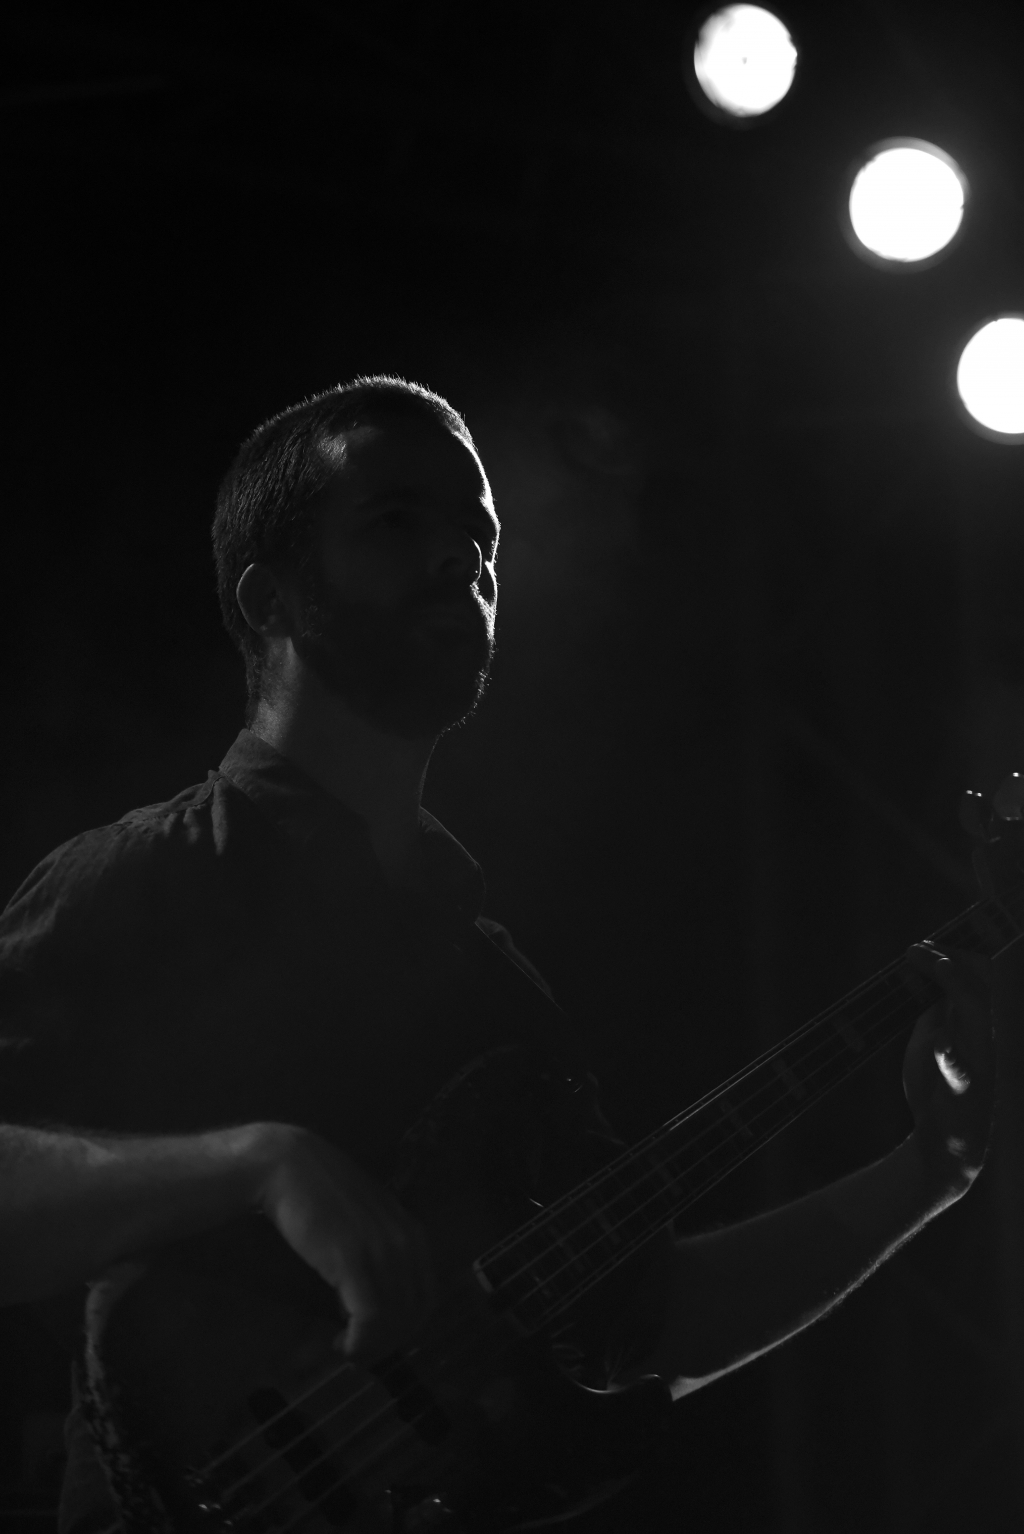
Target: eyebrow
413, 493
397, 492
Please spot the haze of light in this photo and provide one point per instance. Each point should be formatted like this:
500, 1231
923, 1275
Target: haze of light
990, 375
744, 60
907, 203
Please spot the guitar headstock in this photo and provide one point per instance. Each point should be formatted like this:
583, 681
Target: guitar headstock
997, 830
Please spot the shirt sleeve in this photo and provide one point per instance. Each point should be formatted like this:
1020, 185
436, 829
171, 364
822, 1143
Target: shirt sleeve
80, 944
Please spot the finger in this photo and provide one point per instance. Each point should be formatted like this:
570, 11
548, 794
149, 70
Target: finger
424, 1275
928, 960
364, 1336
366, 1305
367, 1339
920, 1052
963, 978
412, 1250
952, 1071
955, 1031
927, 973
398, 1262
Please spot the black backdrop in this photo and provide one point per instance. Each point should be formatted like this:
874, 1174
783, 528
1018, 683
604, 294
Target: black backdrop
760, 619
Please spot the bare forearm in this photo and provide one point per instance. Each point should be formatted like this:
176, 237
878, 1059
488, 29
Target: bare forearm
73, 1204
737, 1292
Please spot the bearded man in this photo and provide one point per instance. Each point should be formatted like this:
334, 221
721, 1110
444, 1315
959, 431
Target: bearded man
222, 1012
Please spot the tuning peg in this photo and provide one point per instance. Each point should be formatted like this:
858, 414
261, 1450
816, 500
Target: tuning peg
1008, 798
973, 815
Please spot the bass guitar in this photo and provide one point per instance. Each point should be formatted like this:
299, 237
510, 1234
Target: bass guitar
223, 1405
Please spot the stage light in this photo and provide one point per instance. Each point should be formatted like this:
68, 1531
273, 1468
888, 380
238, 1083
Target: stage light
744, 60
906, 202
990, 378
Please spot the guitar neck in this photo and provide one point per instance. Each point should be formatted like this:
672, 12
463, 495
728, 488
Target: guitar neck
545, 1266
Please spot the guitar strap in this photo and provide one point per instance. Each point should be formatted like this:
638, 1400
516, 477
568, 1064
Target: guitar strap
141, 1508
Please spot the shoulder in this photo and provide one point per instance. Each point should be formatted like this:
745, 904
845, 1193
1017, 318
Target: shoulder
115, 873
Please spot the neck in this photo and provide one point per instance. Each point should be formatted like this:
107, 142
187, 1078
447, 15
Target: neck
378, 776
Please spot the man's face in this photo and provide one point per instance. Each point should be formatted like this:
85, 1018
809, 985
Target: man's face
399, 607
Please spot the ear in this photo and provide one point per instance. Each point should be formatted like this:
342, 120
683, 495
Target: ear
263, 601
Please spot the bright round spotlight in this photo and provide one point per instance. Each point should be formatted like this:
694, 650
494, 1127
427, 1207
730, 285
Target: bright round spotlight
907, 201
990, 376
744, 60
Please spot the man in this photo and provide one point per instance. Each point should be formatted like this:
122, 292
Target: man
239, 1000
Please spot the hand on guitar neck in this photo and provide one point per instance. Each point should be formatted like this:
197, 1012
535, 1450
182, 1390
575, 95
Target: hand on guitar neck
742, 1289
948, 1072
948, 1067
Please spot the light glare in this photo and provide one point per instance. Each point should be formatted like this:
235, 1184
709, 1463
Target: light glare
907, 201
744, 60
990, 375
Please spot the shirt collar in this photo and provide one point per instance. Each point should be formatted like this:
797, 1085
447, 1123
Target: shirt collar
314, 818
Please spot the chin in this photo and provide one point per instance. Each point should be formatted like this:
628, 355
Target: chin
426, 716
404, 691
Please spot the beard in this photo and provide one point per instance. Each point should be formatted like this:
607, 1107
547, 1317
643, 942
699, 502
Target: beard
412, 672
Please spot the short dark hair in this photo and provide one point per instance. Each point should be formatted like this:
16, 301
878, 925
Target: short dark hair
263, 503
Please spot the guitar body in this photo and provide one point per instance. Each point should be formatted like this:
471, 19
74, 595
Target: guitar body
216, 1369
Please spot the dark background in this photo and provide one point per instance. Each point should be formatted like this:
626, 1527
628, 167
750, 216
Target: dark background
760, 620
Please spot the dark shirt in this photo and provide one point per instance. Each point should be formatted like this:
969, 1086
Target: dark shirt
235, 955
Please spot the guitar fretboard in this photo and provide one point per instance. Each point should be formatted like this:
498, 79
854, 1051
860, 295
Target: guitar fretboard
546, 1265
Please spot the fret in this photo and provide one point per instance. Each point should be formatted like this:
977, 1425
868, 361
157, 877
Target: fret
728, 1112
846, 1031
620, 1194
668, 1183
788, 1078
645, 1200
704, 1167
599, 1215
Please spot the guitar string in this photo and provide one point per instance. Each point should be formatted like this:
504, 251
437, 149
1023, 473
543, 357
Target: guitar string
406, 1428
303, 1513
889, 973
878, 1024
660, 1168
649, 1172
689, 1147
631, 1214
892, 972
339, 1407
299, 1518
354, 1470
622, 1162
574, 1258
321, 1422
634, 1154
302, 1399
609, 1173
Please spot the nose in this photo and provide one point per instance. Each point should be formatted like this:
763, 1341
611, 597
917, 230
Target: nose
455, 554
